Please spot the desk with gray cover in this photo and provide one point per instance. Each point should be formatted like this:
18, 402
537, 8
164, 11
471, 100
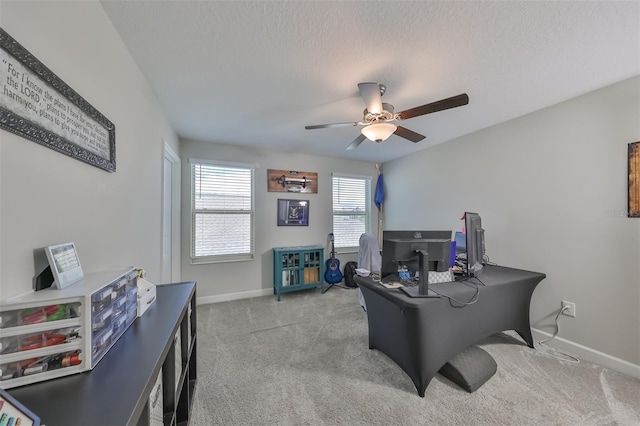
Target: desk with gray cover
421, 335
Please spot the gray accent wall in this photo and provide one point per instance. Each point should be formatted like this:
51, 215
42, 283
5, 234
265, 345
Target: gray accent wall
47, 197
223, 281
551, 188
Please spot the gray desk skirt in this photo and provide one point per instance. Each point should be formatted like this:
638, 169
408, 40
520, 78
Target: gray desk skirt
421, 335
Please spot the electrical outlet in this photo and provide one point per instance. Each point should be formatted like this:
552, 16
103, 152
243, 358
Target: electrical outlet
570, 308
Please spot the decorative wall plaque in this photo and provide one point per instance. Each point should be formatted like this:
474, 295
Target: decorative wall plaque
292, 181
634, 179
36, 104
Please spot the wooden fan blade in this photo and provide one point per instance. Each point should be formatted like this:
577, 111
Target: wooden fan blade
370, 93
357, 141
452, 102
325, 126
403, 132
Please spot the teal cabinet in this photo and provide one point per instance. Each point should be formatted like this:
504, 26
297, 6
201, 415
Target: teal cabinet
297, 268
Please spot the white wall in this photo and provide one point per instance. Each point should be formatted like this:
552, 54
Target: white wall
220, 281
551, 188
47, 197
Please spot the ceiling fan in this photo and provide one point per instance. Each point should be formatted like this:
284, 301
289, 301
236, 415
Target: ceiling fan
378, 116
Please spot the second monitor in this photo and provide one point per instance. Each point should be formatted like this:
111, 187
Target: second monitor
417, 251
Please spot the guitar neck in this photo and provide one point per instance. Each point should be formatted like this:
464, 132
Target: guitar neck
333, 250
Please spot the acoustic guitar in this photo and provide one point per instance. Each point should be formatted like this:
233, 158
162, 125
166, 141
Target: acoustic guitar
332, 274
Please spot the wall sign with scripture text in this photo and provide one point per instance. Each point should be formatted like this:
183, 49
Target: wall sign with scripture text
36, 104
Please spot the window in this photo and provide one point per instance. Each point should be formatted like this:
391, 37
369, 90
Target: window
222, 211
351, 210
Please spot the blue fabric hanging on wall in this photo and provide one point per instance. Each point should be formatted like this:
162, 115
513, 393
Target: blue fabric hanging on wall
379, 197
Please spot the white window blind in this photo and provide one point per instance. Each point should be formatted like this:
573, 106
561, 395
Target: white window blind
351, 210
222, 206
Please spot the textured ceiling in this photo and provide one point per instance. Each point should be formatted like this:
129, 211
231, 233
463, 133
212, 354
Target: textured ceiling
255, 73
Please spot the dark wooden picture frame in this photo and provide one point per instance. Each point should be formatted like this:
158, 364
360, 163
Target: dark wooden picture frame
37, 105
634, 180
292, 181
293, 212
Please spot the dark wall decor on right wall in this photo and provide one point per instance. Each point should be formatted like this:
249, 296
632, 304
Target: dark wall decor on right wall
634, 180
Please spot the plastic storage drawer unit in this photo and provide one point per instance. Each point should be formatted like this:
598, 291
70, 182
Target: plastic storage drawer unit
54, 333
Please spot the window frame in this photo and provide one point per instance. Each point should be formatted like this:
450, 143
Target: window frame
220, 258
368, 213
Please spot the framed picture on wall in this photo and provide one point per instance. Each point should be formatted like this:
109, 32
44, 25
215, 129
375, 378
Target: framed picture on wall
293, 212
634, 180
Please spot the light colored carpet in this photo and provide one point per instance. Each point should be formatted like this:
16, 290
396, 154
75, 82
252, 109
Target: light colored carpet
306, 361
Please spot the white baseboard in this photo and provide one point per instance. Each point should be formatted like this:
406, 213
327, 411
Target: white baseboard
576, 349
588, 354
233, 296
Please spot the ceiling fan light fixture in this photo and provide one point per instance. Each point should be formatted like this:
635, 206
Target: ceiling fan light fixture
378, 132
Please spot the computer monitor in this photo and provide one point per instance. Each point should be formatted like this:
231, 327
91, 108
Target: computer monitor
474, 243
396, 250
418, 251
461, 242
416, 234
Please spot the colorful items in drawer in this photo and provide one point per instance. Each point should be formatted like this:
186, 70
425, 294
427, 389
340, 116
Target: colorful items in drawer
39, 315
41, 340
38, 340
40, 365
